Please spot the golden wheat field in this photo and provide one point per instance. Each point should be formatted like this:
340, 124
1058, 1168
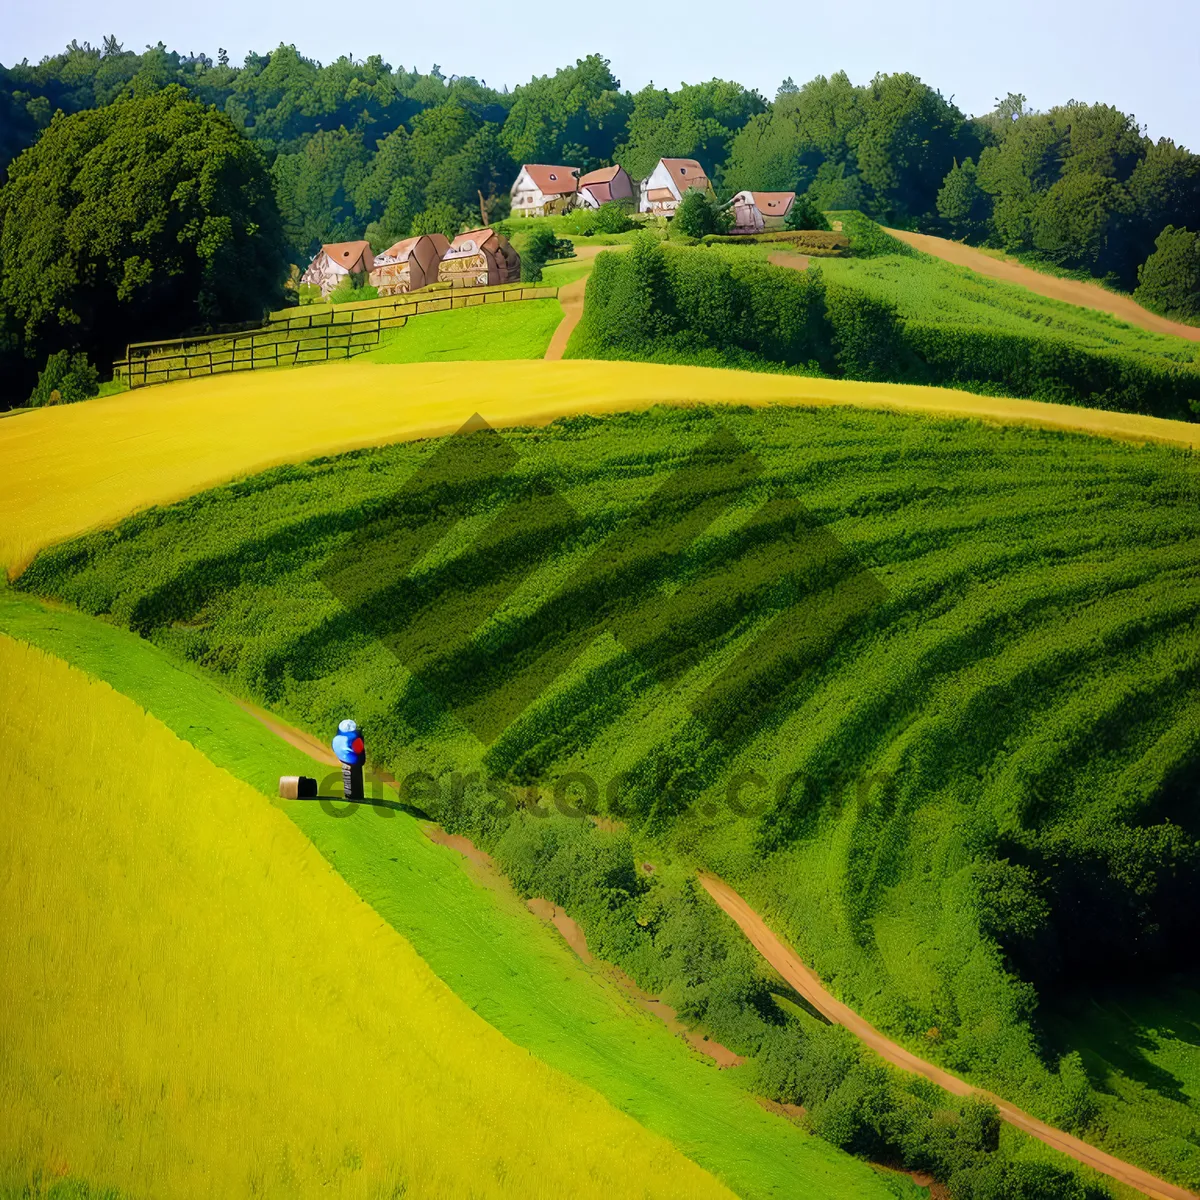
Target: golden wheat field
195, 1004
66, 470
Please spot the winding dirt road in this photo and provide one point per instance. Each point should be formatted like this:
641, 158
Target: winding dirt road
570, 297
1072, 291
806, 982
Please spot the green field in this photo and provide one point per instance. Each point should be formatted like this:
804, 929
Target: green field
1017, 690
481, 941
883, 313
516, 330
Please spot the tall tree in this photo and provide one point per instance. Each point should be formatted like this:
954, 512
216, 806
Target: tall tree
137, 220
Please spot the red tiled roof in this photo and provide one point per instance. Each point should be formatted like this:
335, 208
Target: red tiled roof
773, 204
552, 181
687, 170
604, 175
349, 254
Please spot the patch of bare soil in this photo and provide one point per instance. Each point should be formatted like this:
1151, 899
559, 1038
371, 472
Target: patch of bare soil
782, 258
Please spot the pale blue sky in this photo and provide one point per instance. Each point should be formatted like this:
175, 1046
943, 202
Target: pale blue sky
1143, 58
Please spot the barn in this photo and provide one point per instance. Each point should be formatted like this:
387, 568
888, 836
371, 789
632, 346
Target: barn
410, 264
479, 258
337, 260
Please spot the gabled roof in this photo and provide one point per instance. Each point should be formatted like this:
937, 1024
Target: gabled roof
348, 255
662, 193
687, 169
604, 175
551, 180
773, 204
402, 249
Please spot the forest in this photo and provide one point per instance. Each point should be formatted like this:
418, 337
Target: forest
308, 153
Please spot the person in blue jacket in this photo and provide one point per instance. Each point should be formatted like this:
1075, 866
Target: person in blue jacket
351, 753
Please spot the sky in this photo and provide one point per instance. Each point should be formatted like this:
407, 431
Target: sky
1144, 59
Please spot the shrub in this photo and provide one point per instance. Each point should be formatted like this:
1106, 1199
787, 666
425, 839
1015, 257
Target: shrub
699, 214
804, 214
65, 379
347, 292
613, 218
1169, 280
538, 250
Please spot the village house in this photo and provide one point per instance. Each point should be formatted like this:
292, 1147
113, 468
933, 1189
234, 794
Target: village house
336, 261
663, 188
756, 212
479, 258
410, 264
604, 186
540, 190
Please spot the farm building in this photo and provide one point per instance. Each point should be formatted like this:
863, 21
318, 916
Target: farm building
410, 264
663, 189
754, 212
337, 260
601, 187
479, 258
541, 190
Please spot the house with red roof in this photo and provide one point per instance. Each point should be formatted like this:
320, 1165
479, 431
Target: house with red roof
663, 188
479, 258
409, 265
337, 260
757, 212
541, 190
604, 186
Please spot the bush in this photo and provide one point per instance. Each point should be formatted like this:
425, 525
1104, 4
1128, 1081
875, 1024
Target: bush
347, 292
804, 214
65, 379
699, 214
538, 250
1169, 280
613, 218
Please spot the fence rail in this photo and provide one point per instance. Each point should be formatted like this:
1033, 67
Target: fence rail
293, 339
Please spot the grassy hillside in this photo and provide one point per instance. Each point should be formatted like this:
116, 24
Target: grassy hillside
972, 781
163, 444
481, 941
887, 313
487, 332
196, 1004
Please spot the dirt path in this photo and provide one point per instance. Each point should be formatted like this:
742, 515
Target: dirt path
783, 258
1073, 291
806, 982
571, 299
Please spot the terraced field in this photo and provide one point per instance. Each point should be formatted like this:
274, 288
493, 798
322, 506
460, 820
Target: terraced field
924, 691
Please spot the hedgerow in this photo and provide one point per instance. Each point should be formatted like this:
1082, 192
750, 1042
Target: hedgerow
691, 305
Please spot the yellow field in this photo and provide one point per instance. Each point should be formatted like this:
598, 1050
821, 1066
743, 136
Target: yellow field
195, 1004
66, 470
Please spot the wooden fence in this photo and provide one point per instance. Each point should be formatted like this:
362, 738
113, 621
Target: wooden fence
315, 333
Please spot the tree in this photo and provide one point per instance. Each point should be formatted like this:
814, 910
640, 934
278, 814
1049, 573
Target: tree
804, 214
135, 221
65, 379
1169, 280
316, 188
962, 203
439, 218
699, 214
579, 111
698, 121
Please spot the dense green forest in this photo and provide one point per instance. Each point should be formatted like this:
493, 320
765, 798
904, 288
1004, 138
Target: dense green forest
356, 149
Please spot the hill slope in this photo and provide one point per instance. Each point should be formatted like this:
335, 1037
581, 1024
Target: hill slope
974, 781
195, 1004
